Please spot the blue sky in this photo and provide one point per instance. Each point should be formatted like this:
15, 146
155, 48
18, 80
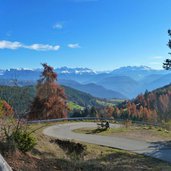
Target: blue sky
98, 34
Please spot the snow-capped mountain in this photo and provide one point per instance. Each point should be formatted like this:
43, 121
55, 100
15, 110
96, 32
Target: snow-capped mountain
129, 80
80, 71
137, 72
134, 68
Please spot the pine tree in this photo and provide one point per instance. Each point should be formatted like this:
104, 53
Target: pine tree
93, 112
167, 63
50, 100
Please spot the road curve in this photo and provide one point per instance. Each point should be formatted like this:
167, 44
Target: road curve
64, 131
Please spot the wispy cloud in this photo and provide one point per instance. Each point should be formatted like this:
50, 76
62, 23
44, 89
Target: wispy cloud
17, 45
157, 57
74, 45
58, 26
10, 45
42, 47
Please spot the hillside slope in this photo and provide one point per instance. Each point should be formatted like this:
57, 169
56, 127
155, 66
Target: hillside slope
80, 98
20, 98
154, 105
123, 84
93, 89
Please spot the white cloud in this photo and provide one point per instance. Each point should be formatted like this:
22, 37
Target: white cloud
10, 45
73, 45
16, 45
58, 26
42, 47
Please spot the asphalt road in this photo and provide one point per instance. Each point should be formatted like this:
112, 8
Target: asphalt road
158, 150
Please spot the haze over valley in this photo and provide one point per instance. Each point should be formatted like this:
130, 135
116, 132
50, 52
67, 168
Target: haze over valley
122, 83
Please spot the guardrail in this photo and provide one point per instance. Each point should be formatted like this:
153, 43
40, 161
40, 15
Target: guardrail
63, 119
4, 165
92, 119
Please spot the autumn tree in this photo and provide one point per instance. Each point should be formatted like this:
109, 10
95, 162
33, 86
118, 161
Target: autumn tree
14, 133
129, 108
5, 109
109, 111
50, 100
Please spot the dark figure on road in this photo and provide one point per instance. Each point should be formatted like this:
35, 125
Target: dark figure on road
107, 125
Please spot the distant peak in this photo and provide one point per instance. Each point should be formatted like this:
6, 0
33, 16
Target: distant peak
66, 70
142, 67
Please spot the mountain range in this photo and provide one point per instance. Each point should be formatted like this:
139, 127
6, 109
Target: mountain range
123, 83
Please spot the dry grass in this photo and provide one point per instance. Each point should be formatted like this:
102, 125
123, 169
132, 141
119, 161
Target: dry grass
96, 158
146, 133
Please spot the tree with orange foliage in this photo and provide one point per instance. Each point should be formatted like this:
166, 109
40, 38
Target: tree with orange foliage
50, 100
5, 109
154, 116
109, 111
129, 108
146, 114
133, 109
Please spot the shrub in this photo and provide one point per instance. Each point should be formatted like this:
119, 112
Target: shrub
167, 125
71, 148
24, 140
14, 134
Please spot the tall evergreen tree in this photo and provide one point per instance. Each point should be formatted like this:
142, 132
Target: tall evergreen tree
93, 112
167, 63
50, 100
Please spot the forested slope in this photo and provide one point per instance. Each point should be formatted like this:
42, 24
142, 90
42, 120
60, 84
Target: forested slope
20, 98
154, 105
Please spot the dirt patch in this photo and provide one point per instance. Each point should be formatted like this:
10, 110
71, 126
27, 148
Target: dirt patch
26, 162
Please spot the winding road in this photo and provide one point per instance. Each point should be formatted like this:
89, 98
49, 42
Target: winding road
158, 150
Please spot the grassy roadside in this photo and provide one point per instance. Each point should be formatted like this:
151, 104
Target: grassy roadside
49, 156
147, 133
